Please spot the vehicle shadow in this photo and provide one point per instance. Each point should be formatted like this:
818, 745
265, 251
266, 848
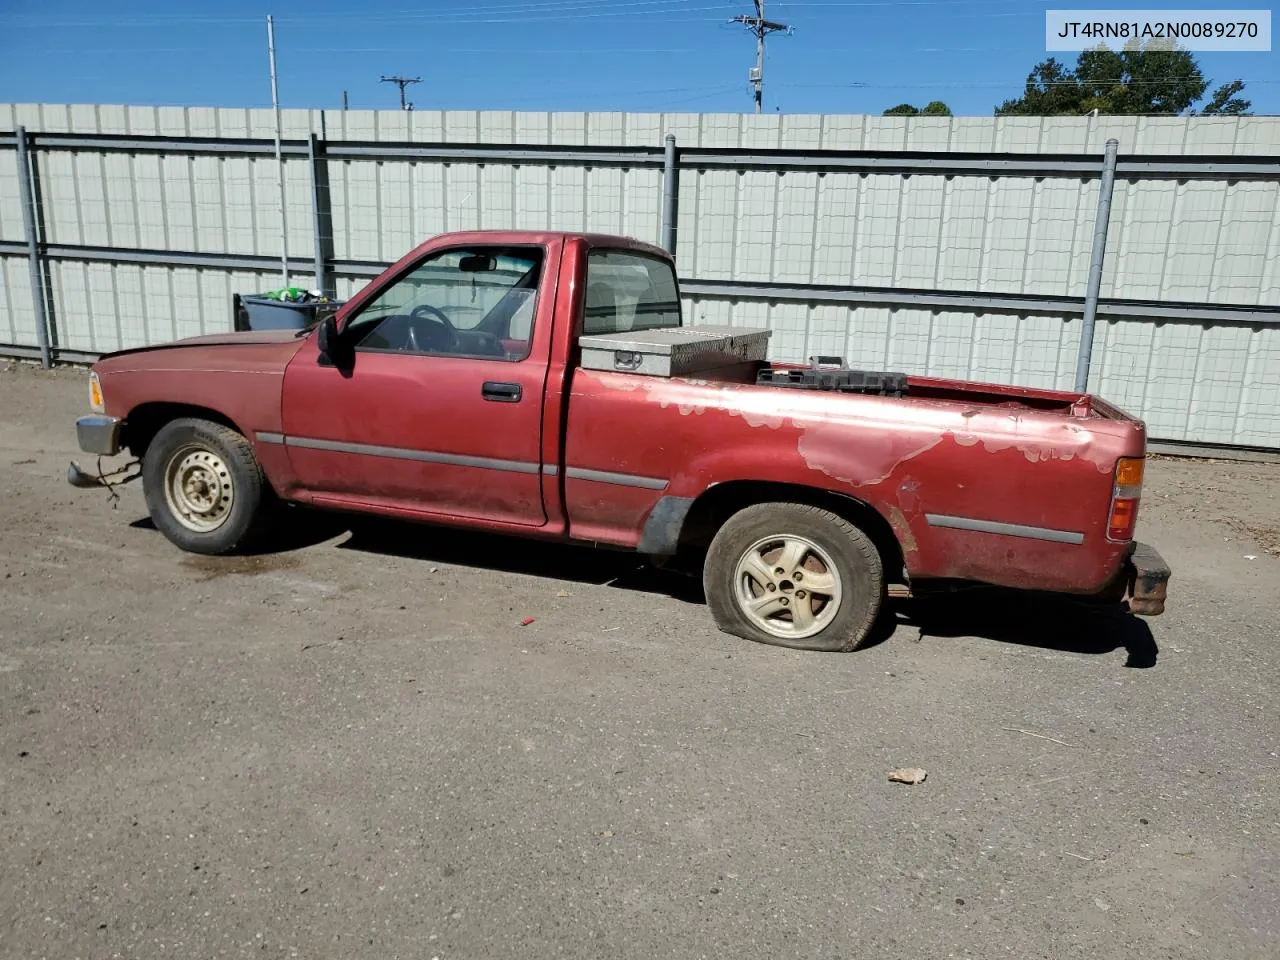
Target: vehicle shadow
1048, 621
1045, 620
613, 568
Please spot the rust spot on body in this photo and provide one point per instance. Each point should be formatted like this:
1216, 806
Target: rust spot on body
898, 521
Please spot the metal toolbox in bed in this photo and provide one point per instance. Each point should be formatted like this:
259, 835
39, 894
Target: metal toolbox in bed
673, 351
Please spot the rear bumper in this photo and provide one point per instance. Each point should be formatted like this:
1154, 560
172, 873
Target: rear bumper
100, 435
1148, 581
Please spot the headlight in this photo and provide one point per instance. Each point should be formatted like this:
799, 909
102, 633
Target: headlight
95, 394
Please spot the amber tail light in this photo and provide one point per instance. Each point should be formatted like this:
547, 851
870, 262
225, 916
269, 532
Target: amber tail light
1124, 498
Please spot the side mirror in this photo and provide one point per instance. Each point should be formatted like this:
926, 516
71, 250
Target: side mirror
333, 349
326, 334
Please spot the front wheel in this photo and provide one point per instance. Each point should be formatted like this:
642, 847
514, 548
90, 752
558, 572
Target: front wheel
796, 576
204, 488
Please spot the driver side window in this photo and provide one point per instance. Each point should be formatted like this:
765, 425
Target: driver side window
475, 302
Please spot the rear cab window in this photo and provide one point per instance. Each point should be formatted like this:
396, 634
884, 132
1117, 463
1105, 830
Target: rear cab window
628, 291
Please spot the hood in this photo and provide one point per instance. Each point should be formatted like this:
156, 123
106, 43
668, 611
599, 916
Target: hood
238, 338
260, 351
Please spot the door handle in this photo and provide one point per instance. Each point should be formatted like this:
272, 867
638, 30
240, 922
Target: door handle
501, 392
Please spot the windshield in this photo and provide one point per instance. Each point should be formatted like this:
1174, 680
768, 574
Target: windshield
452, 283
475, 301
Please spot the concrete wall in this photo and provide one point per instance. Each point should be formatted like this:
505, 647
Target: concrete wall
1201, 242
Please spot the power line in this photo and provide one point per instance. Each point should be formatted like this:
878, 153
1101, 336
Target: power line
520, 12
951, 84
402, 82
573, 10
677, 10
761, 28
517, 8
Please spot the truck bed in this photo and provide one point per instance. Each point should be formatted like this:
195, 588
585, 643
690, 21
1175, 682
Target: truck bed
1001, 484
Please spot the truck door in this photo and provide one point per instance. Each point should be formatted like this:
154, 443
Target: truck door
439, 411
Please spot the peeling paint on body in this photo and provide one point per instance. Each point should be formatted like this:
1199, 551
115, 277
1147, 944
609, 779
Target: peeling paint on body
830, 449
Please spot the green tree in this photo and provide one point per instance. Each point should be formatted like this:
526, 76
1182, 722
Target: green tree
934, 108
1225, 103
1150, 79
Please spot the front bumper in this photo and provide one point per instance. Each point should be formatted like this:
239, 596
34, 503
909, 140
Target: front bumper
99, 434
1148, 581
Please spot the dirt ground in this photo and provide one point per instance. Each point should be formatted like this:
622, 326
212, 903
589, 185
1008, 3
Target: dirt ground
352, 748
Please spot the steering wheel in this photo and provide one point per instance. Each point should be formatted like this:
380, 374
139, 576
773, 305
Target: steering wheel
437, 318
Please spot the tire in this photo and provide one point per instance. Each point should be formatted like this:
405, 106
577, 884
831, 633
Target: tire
811, 546
204, 488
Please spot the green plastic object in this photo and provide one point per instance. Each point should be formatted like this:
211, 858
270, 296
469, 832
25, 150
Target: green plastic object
294, 295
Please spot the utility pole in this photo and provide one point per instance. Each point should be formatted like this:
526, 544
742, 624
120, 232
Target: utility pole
761, 27
275, 103
402, 82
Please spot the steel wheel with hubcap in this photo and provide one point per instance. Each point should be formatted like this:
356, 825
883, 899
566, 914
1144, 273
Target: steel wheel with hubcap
794, 575
204, 488
199, 489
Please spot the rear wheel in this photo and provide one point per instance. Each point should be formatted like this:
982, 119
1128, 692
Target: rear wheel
794, 575
204, 488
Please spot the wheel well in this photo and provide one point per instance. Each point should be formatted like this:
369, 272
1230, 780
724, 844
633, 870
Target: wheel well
720, 502
146, 419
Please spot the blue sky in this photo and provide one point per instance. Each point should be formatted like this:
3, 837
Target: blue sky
634, 55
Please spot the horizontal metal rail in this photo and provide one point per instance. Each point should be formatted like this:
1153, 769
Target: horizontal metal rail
906, 162
1200, 168
962, 300
20, 352
174, 258
946, 163
358, 268
978, 302
114, 143
347, 150
942, 162
514, 154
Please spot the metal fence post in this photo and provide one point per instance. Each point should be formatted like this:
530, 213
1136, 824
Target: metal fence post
1100, 224
670, 196
30, 222
321, 214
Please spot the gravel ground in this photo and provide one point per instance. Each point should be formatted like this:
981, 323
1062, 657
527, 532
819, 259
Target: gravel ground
351, 748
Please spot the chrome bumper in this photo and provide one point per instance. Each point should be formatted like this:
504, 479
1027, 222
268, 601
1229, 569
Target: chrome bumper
99, 435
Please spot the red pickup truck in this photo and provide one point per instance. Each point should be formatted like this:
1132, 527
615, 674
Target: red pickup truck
453, 389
